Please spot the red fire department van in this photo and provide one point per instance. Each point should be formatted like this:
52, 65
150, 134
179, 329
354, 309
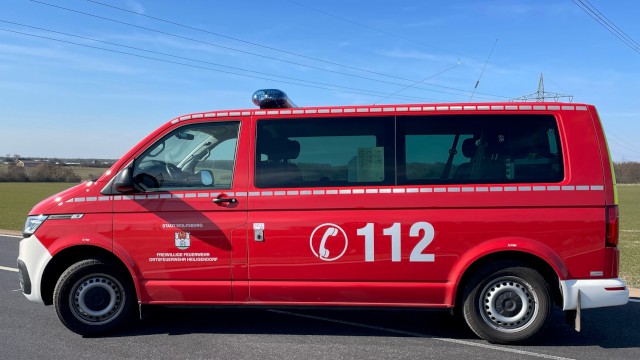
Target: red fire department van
497, 210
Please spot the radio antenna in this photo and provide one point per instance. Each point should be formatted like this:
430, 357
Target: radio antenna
483, 68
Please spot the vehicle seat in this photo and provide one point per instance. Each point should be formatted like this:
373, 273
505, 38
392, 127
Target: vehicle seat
486, 168
277, 171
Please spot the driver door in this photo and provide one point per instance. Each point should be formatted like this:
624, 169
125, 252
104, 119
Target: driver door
177, 226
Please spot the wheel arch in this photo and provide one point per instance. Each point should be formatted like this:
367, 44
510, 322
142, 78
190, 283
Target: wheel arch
551, 269
71, 255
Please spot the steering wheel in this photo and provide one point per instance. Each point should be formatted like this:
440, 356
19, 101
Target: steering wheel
173, 171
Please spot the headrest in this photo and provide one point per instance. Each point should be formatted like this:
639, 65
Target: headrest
292, 149
469, 148
280, 149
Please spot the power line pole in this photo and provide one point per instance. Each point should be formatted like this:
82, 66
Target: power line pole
541, 95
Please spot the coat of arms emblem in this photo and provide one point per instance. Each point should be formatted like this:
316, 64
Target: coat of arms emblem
183, 240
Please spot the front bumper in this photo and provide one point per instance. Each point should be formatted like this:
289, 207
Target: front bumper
33, 258
593, 293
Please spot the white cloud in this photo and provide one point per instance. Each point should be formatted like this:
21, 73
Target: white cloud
136, 6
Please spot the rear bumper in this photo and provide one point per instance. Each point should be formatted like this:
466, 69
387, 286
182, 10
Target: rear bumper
593, 293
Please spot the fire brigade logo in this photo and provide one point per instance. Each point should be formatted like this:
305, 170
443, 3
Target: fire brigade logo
183, 240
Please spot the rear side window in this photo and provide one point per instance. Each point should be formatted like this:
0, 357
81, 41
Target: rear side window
478, 149
325, 152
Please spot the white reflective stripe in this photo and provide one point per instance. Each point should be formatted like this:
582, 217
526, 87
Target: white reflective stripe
339, 109
356, 191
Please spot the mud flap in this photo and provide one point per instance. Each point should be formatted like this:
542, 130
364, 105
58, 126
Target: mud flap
573, 316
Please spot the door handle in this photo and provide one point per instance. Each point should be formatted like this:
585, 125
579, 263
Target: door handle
225, 200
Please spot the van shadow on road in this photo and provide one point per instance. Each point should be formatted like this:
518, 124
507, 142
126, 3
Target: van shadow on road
606, 327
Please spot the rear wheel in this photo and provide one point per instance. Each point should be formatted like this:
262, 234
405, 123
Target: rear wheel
506, 303
93, 297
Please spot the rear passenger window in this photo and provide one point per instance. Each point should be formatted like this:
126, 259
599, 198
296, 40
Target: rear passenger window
325, 152
478, 149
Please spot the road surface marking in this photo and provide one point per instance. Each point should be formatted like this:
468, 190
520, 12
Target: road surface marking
8, 269
414, 334
11, 236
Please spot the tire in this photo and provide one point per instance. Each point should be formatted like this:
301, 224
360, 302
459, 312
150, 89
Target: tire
93, 297
507, 303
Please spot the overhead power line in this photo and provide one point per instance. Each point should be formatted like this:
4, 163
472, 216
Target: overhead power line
277, 78
464, 92
370, 27
244, 41
596, 15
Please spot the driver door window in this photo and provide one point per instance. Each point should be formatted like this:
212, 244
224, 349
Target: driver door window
193, 156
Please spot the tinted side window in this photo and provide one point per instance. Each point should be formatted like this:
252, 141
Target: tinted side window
193, 156
325, 152
478, 149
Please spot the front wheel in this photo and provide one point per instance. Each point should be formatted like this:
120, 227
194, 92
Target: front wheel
506, 303
93, 297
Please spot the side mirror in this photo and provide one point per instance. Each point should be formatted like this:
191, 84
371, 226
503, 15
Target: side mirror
206, 177
123, 182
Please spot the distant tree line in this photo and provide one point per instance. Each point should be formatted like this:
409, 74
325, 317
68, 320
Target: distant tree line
627, 172
40, 173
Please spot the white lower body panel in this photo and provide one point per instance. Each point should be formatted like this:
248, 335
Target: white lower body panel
36, 257
593, 293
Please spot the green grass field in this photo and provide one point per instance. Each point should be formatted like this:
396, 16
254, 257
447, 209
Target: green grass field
629, 197
16, 199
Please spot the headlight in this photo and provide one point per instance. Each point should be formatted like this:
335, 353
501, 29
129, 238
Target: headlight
32, 224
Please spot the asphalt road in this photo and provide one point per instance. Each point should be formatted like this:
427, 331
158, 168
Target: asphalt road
32, 331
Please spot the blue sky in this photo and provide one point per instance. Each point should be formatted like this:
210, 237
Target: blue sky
60, 99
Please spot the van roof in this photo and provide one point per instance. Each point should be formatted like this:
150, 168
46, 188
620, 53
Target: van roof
403, 108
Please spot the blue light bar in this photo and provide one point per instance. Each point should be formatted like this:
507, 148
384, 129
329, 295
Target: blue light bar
272, 99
